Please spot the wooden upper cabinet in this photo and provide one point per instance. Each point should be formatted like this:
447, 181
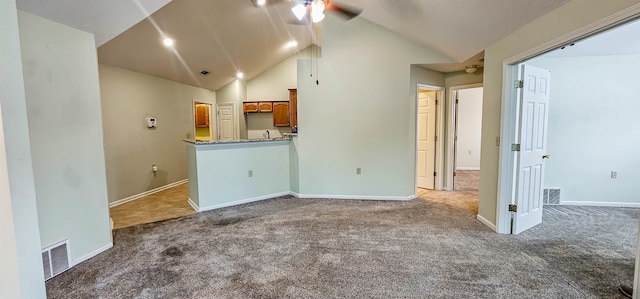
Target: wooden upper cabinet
202, 116
250, 107
265, 106
280, 114
293, 107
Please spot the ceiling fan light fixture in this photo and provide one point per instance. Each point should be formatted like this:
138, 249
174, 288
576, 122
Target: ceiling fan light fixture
317, 17
317, 6
299, 10
471, 69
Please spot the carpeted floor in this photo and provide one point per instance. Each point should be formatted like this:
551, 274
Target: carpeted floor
467, 180
431, 247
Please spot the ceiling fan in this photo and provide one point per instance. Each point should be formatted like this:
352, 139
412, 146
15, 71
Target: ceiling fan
314, 9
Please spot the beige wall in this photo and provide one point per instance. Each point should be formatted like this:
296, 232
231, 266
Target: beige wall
361, 114
572, 16
65, 129
130, 147
273, 84
21, 274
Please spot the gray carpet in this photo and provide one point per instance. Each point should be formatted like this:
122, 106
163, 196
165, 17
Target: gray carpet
432, 247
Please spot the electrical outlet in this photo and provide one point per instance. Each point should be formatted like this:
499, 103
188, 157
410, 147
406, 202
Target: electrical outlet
358, 170
250, 173
614, 174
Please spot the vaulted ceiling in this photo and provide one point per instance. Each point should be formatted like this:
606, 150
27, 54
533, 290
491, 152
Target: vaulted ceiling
227, 36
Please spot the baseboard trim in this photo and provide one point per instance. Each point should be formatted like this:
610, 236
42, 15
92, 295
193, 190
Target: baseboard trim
467, 168
601, 204
243, 201
354, 197
146, 193
91, 254
193, 205
486, 222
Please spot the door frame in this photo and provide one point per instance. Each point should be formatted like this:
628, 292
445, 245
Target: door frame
438, 146
508, 119
450, 163
236, 128
211, 120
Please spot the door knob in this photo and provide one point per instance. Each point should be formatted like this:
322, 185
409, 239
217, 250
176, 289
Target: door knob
545, 157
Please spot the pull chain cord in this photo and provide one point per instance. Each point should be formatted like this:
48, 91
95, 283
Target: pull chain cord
317, 69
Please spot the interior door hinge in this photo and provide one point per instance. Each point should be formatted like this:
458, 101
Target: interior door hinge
513, 208
435, 138
515, 147
455, 138
436, 102
454, 173
434, 173
457, 101
519, 84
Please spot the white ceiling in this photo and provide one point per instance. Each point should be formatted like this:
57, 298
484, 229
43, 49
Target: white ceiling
621, 40
105, 19
224, 36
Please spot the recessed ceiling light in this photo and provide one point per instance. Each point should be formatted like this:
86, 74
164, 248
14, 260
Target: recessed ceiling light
261, 2
168, 42
240, 75
291, 44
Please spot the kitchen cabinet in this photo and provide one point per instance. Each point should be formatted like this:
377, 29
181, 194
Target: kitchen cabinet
293, 107
280, 114
202, 116
250, 107
265, 106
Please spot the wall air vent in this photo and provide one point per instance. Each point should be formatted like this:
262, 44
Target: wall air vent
55, 259
551, 196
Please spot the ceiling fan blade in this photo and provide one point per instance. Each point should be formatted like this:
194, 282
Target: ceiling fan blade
347, 12
304, 22
268, 2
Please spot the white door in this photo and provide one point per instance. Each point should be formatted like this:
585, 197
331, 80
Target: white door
534, 111
226, 119
426, 138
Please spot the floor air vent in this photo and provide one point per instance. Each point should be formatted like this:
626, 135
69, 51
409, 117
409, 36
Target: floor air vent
551, 196
55, 259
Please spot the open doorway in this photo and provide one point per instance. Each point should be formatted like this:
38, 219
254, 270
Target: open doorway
589, 159
467, 104
426, 141
202, 121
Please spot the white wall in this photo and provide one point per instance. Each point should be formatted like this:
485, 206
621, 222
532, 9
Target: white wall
130, 147
469, 128
593, 128
21, 274
572, 16
361, 114
222, 172
65, 128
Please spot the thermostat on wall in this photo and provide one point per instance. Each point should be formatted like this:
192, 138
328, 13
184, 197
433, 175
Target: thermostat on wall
151, 122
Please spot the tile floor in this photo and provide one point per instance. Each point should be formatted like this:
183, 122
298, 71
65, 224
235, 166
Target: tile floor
166, 204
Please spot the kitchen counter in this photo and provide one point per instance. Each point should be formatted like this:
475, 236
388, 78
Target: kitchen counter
196, 142
227, 173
